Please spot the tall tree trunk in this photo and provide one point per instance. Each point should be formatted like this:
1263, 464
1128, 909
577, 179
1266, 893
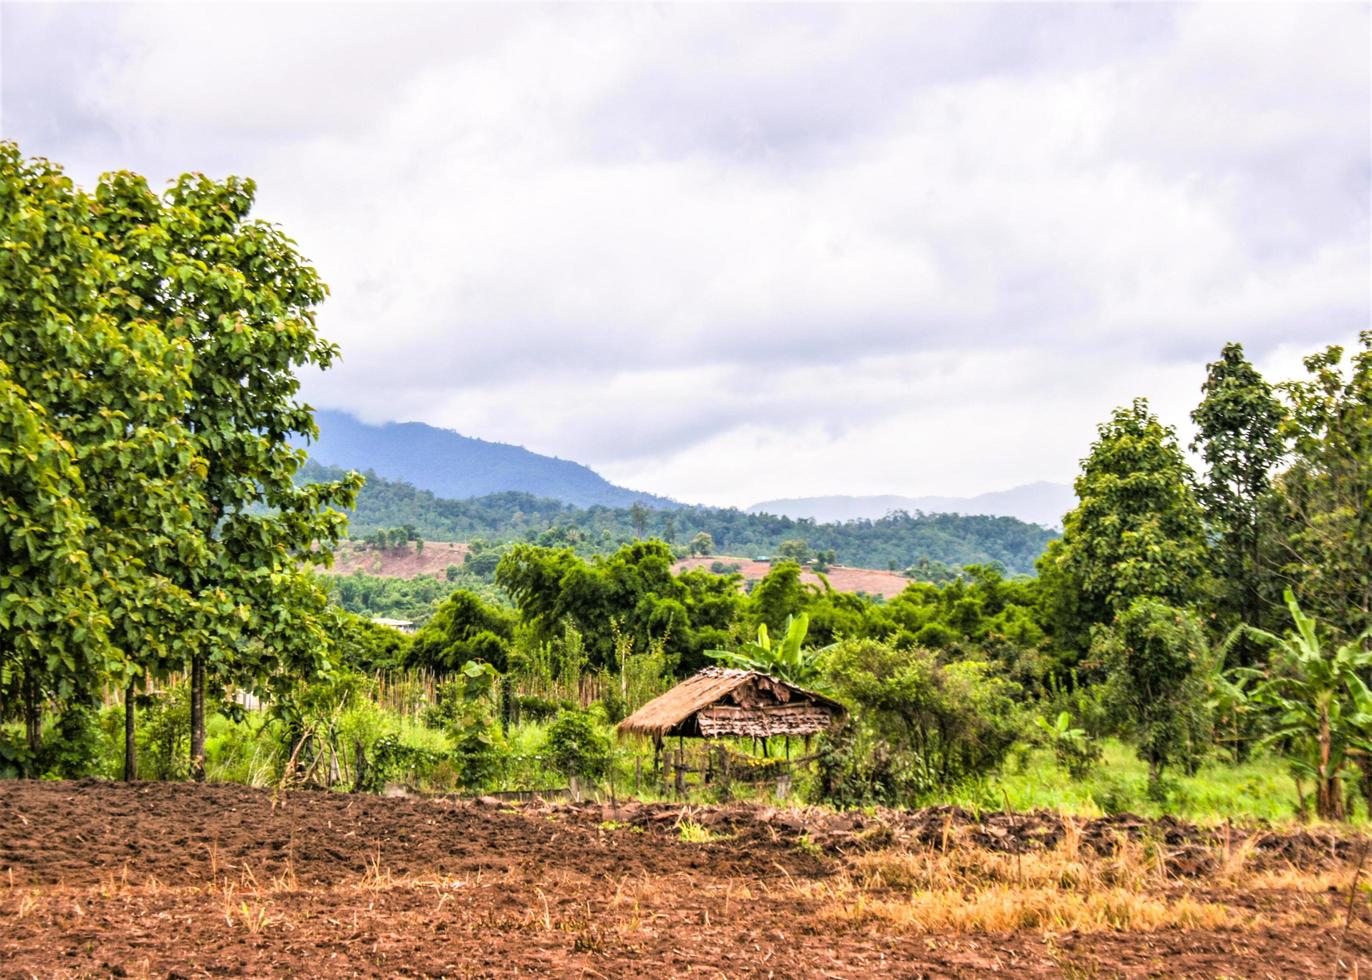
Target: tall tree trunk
33, 717
198, 717
130, 748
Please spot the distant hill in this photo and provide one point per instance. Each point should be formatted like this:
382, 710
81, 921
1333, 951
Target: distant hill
935, 543
1037, 503
459, 467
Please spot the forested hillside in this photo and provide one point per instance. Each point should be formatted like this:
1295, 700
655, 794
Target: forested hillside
897, 541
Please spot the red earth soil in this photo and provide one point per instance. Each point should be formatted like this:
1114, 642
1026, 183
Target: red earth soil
406, 562
841, 577
100, 879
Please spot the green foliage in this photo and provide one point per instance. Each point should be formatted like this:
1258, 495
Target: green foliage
1137, 530
856, 768
576, 746
1314, 704
788, 660
702, 543
946, 540
1075, 750
464, 628
367, 646
394, 598
953, 722
1155, 657
1238, 434
634, 589
164, 735
1324, 509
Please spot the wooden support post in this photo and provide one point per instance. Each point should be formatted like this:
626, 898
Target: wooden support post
638, 774
680, 784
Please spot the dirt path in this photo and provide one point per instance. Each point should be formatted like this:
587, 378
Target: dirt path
172, 879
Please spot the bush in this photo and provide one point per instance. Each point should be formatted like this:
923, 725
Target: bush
950, 723
853, 770
478, 753
574, 746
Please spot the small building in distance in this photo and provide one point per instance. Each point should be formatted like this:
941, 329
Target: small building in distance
404, 625
721, 701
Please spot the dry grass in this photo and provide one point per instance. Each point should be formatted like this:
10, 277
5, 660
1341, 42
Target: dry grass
960, 887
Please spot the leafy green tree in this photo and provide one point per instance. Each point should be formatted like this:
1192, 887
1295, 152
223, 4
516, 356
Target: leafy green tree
1155, 657
1316, 705
93, 396
236, 294
367, 646
794, 549
463, 629
777, 598
1238, 434
1137, 530
1326, 493
702, 543
574, 745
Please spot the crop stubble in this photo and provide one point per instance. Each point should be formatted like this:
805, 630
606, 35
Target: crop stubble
176, 879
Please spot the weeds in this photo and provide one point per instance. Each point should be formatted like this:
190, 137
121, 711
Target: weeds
690, 832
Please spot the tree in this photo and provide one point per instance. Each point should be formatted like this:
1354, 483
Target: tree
1326, 493
777, 598
1316, 705
1155, 658
1238, 434
638, 516
100, 480
463, 629
237, 295
794, 549
1136, 531
702, 543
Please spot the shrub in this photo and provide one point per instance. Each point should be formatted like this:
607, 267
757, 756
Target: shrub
950, 723
574, 746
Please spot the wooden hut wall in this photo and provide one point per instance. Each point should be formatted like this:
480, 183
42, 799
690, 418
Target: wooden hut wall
797, 718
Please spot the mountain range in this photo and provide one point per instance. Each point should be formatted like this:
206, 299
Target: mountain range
1040, 503
458, 467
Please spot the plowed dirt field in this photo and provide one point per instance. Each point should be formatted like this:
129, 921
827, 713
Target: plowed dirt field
100, 879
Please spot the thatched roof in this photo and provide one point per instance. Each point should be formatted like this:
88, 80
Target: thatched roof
726, 701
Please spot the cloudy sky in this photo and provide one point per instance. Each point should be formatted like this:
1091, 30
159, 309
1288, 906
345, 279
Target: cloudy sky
728, 253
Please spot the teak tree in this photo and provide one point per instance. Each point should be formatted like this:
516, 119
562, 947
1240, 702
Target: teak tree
237, 293
101, 481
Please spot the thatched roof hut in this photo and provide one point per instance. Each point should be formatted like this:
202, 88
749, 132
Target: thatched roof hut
721, 701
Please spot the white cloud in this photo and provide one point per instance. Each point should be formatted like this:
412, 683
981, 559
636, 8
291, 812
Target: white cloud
728, 253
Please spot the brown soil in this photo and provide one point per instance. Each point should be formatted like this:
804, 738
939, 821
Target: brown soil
841, 577
404, 562
174, 879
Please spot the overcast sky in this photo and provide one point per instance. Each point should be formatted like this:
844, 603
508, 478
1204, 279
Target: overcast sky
730, 253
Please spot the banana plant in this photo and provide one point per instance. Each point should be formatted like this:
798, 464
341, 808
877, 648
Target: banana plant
787, 660
1061, 730
1316, 705
1074, 748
